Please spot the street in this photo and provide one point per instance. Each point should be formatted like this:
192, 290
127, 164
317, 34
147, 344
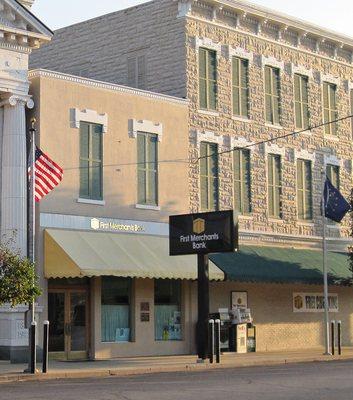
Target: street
309, 381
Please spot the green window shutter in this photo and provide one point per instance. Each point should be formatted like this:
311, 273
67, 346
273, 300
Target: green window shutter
274, 185
209, 187
300, 189
212, 79
276, 96
308, 191
246, 182
301, 100
203, 77
272, 95
304, 189
236, 86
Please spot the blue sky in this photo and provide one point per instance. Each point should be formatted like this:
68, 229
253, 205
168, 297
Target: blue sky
335, 15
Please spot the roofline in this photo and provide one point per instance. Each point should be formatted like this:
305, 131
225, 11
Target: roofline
38, 73
281, 18
50, 32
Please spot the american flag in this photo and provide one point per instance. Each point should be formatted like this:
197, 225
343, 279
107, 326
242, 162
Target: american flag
48, 174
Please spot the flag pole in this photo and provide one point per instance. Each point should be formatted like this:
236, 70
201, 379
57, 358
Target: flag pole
324, 259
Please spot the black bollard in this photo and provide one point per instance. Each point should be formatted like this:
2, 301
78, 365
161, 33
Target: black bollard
211, 336
33, 354
333, 338
339, 337
218, 340
45, 347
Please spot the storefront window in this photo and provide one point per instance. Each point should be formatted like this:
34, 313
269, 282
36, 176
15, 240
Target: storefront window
167, 300
116, 296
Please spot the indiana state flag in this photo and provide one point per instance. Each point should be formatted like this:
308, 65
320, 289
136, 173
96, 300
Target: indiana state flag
336, 206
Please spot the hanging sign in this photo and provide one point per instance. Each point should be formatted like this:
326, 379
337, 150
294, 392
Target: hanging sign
203, 233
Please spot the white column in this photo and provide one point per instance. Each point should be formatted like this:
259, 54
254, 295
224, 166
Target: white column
14, 172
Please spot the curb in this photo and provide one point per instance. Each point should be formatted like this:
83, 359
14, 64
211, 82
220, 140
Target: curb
131, 371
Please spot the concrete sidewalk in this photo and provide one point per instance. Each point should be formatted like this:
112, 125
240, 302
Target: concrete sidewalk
148, 365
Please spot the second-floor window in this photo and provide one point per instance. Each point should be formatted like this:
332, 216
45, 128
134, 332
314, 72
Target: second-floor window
207, 79
274, 186
272, 95
333, 173
304, 190
91, 161
136, 71
330, 108
301, 101
209, 176
242, 185
147, 169
240, 83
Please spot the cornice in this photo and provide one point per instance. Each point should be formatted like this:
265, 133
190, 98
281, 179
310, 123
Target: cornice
43, 73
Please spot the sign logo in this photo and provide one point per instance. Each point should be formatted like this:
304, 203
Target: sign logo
95, 223
199, 226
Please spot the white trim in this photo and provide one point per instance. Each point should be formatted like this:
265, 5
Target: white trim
329, 79
147, 207
241, 53
246, 120
92, 202
240, 142
207, 44
272, 62
208, 136
273, 126
92, 116
332, 160
208, 112
300, 70
142, 125
272, 148
304, 155
105, 85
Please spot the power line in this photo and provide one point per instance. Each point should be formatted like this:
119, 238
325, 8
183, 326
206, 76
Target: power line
195, 160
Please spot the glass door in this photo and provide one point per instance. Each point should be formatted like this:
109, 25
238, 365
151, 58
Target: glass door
69, 328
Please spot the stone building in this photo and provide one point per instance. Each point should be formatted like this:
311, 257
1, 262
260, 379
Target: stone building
21, 32
250, 75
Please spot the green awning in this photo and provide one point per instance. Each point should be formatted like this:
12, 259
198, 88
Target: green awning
282, 265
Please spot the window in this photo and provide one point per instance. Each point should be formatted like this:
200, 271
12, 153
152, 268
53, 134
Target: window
314, 302
274, 185
301, 101
208, 79
333, 173
330, 108
209, 176
304, 190
147, 169
272, 95
116, 301
91, 161
167, 308
240, 79
136, 71
242, 189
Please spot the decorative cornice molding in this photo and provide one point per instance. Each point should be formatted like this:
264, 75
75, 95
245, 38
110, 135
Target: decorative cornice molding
239, 52
299, 69
208, 136
330, 79
272, 62
42, 73
92, 116
209, 44
136, 126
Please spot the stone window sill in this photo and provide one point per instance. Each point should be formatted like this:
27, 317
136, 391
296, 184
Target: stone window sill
280, 127
309, 223
241, 119
275, 220
245, 216
92, 202
334, 138
209, 112
147, 207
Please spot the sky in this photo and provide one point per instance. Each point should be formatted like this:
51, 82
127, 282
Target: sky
335, 15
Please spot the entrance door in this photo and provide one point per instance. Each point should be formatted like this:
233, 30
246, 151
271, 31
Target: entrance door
68, 317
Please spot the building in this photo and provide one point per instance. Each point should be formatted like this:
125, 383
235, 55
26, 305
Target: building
21, 32
250, 74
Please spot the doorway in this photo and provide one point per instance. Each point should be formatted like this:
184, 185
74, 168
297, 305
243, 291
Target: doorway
68, 314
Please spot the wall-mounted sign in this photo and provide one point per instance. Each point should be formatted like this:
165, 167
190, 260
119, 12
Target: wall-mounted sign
239, 300
101, 225
203, 233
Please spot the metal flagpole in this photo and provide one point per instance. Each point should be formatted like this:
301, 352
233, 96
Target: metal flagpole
324, 251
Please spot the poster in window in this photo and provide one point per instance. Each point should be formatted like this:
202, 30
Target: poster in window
239, 300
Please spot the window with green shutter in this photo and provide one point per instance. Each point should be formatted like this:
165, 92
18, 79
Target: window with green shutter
333, 173
301, 101
274, 186
330, 108
240, 83
304, 190
242, 183
272, 95
91, 161
147, 169
209, 176
208, 79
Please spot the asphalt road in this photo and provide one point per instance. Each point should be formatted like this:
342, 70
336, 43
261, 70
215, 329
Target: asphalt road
314, 381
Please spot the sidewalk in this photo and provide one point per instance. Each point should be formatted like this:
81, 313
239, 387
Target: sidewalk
147, 365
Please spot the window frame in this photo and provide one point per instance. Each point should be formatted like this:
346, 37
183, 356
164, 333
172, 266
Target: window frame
329, 170
240, 88
207, 80
273, 96
146, 170
90, 160
305, 162
244, 184
208, 176
303, 105
272, 187
330, 129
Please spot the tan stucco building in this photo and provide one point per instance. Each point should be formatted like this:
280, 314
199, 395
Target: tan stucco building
250, 74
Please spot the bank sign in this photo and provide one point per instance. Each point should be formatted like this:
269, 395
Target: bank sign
202, 233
